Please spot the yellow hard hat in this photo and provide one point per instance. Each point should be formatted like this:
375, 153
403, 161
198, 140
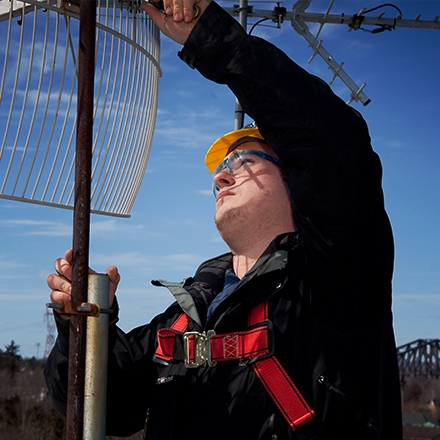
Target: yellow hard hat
225, 144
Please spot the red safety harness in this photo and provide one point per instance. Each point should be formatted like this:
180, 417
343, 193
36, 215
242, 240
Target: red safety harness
252, 345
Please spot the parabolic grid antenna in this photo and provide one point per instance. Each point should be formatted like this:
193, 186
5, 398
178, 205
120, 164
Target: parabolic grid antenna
38, 95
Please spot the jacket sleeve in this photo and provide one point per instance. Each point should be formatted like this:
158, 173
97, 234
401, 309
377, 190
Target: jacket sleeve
332, 172
131, 376
55, 369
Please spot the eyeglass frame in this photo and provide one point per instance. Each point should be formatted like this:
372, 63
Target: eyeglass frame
224, 164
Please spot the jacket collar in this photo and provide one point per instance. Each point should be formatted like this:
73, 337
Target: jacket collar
274, 257
195, 294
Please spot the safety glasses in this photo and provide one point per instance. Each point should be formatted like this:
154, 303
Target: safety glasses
240, 161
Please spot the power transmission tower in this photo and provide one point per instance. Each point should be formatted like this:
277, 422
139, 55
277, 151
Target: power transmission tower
50, 338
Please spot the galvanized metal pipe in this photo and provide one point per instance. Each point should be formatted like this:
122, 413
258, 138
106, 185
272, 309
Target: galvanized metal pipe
95, 393
81, 220
242, 18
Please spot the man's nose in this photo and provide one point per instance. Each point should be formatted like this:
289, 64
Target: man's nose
223, 178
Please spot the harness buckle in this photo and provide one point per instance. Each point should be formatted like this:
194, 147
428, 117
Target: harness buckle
197, 349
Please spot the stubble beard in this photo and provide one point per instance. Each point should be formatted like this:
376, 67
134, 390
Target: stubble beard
232, 224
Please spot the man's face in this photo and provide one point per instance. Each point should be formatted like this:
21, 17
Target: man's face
255, 194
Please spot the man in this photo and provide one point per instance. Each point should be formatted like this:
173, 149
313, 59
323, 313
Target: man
301, 306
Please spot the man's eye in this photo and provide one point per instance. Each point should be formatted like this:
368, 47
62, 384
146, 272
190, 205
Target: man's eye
248, 159
236, 163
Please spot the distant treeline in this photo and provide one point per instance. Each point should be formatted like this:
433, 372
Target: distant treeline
26, 410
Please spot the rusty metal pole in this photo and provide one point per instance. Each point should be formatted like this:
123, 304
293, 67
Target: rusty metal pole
81, 217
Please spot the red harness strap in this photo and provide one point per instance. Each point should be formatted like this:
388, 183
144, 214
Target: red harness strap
248, 344
253, 343
166, 338
278, 384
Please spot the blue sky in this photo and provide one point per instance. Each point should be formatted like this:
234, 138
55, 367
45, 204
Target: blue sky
171, 229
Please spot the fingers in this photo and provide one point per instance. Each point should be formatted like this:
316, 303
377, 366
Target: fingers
69, 255
178, 31
154, 12
60, 286
184, 14
114, 277
180, 10
63, 266
60, 283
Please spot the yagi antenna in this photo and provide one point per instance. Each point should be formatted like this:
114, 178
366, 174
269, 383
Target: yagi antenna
299, 17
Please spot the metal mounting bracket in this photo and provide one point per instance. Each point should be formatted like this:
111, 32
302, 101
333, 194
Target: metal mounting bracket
78, 308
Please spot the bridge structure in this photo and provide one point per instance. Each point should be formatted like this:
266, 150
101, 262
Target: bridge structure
420, 358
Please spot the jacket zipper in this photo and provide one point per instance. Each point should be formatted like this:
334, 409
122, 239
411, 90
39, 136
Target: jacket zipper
147, 416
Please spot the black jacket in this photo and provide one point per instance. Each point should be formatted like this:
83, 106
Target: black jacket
329, 286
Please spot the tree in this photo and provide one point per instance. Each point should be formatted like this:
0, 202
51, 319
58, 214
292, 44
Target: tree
12, 350
11, 359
